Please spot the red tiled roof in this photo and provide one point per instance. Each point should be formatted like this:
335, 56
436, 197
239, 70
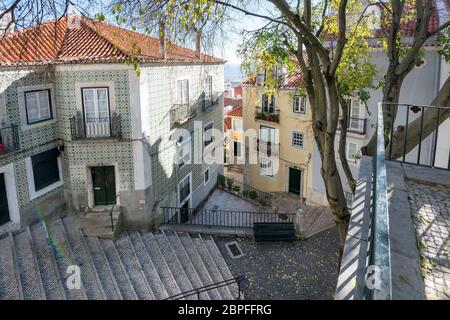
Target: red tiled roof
236, 112
88, 41
232, 102
226, 124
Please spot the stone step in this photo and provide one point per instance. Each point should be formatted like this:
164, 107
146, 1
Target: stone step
133, 268
89, 276
118, 270
9, 283
148, 267
174, 263
195, 277
200, 266
104, 271
30, 278
212, 248
212, 268
53, 286
64, 258
164, 271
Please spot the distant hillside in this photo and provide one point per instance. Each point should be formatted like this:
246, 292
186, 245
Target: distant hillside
233, 72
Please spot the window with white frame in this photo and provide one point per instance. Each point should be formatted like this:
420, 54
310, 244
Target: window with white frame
355, 122
299, 104
183, 92
237, 124
38, 106
206, 176
267, 134
352, 151
297, 139
268, 103
184, 189
96, 104
207, 86
207, 134
184, 150
265, 167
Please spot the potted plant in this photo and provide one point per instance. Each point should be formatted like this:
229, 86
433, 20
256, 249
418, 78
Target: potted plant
230, 183
221, 181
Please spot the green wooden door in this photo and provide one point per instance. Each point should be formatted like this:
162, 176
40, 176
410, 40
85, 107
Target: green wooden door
294, 181
104, 182
4, 210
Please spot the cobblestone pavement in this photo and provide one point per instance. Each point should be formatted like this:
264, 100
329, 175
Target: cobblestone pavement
305, 269
431, 215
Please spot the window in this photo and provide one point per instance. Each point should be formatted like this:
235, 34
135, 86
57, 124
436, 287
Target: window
349, 199
267, 134
268, 103
183, 92
38, 106
237, 124
265, 167
297, 139
206, 176
95, 104
352, 151
207, 87
184, 189
299, 104
355, 121
184, 150
207, 134
45, 169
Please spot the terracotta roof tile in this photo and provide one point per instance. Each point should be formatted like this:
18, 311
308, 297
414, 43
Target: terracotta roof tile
236, 112
226, 123
232, 102
87, 41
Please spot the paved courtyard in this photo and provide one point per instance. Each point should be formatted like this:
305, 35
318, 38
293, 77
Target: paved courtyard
305, 269
430, 207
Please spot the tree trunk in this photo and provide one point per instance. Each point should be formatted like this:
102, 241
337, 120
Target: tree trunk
342, 144
430, 123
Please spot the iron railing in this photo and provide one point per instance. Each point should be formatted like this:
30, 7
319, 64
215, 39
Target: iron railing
239, 280
268, 148
180, 113
355, 125
379, 263
221, 218
95, 128
268, 114
244, 191
427, 147
9, 139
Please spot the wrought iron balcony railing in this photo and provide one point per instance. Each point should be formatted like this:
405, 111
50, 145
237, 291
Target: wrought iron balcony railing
9, 139
181, 113
270, 114
356, 125
95, 128
268, 148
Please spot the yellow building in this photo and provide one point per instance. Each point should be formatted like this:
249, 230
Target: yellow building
234, 131
284, 139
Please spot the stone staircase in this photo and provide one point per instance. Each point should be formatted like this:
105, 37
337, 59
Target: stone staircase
98, 223
34, 262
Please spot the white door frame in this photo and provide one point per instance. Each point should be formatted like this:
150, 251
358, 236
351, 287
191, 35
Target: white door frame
11, 194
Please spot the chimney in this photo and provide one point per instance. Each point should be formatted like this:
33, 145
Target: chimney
198, 44
162, 40
6, 23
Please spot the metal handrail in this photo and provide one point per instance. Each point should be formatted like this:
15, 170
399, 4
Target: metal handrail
267, 197
111, 213
379, 242
197, 291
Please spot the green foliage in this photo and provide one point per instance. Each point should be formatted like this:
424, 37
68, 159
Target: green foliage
236, 189
230, 182
221, 180
444, 39
253, 195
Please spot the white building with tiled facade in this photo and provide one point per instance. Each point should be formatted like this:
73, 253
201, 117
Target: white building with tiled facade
81, 130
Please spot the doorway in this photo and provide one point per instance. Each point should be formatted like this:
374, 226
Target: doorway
104, 184
4, 209
295, 178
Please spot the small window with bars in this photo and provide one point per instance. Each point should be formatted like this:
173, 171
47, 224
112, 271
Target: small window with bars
297, 139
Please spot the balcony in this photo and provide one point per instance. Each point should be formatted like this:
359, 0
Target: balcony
95, 128
268, 148
9, 140
181, 113
396, 242
271, 114
356, 125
